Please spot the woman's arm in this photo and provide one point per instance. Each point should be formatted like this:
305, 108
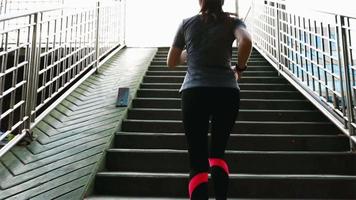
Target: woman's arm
245, 46
176, 56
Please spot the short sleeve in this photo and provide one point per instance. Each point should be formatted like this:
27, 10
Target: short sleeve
238, 23
179, 41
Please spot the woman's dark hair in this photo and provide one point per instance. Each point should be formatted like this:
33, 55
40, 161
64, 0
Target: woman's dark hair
212, 9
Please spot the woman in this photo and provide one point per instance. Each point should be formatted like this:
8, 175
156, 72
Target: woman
210, 91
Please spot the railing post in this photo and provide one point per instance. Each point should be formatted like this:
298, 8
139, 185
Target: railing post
31, 78
97, 53
237, 7
344, 62
277, 37
124, 22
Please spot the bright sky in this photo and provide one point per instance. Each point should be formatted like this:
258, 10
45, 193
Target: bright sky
345, 7
146, 17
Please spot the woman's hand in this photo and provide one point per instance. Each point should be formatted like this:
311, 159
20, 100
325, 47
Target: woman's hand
176, 57
183, 57
238, 74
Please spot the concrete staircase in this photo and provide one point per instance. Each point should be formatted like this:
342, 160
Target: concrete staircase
280, 148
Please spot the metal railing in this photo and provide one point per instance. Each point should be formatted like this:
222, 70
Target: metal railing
42, 54
315, 51
17, 6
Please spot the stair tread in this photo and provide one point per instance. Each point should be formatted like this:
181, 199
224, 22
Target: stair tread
254, 91
160, 198
161, 98
234, 152
232, 176
240, 122
302, 151
241, 110
237, 135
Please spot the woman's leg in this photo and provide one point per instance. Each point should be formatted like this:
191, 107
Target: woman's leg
223, 118
196, 125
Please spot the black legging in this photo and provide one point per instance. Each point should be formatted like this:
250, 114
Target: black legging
199, 106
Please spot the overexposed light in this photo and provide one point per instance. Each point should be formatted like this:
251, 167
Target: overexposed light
153, 23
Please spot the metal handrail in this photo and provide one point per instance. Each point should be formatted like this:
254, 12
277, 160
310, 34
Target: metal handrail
248, 13
27, 13
316, 54
42, 55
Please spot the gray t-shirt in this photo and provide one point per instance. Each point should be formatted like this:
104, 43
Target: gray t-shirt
209, 48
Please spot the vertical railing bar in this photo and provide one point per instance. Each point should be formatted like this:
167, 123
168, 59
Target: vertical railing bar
295, 54
292, 53
306, 56
290, 67
81, 43
37, 67
97, 36
320, 71
66, 50
79, 56
14, 78
49, 60
86, 52
333, 71
42, 26
344, 58
119, 22
341, 64
76, 44
330, 42
277, 37
55, 70
324, 64
70, 50
75, 52
300, 57
61, 49
31, 91
347, 30
85, 27
56, 67
4, 64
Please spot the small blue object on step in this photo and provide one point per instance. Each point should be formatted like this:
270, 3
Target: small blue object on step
123, 97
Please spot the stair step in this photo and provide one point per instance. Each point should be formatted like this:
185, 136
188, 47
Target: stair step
184, 68
234, 52
243, 86
244, 115
182, 73
104, 197
242, 127
242, 186
245, 94
245, 162
281, 146
260, 104
248, 142
249, 63
234, 60
179, 79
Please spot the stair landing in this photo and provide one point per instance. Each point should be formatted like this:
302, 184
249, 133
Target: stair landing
71, 140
